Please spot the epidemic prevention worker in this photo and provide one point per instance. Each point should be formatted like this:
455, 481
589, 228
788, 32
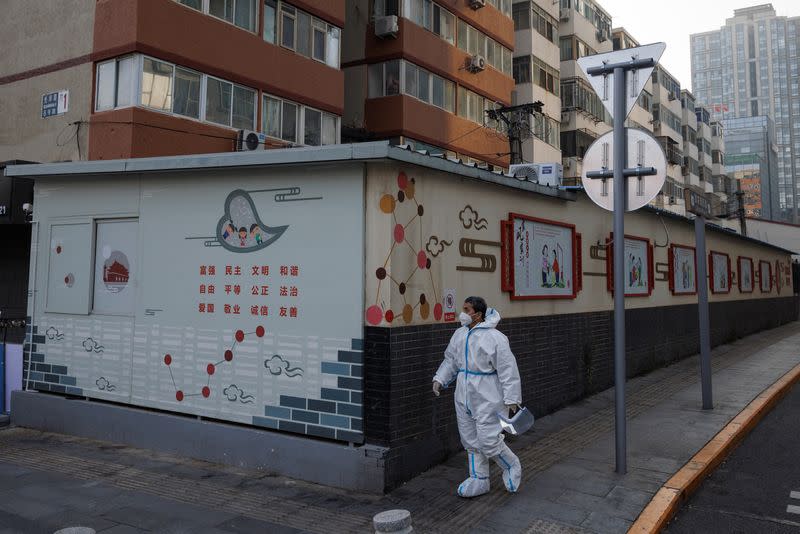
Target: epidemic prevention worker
480, 357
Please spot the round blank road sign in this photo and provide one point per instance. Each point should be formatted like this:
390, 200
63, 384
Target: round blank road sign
643, 151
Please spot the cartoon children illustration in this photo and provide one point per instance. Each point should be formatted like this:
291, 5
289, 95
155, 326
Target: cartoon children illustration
545, 265
556, 269
243, 236
228, 230
632, 272
639, 276
256, 233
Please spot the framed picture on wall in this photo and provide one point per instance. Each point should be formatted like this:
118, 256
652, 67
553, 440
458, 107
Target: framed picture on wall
745, 274
543, 257
638, 266
719, 267
682, 270
765, 276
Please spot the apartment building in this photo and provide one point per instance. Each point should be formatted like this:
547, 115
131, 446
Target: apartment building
746, 68
584, 29
424, 73
133, 78
536, 69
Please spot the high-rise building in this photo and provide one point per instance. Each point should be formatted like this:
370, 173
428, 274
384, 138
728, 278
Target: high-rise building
424, 73
750, 160
130, 78
744, 69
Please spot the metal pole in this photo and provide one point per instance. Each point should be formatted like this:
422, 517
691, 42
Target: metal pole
620, 203
702, 306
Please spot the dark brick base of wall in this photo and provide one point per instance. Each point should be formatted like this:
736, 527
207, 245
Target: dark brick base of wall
561, 359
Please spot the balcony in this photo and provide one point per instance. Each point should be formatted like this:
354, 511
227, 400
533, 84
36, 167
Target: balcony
673, 153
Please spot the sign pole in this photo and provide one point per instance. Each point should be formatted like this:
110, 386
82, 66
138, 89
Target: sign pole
608, 73
620, 203
702, 308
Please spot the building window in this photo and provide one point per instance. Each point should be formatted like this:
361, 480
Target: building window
186, 101
307, 35
475, 42
575, 143
289, 121
573, 48
162, 86
218, 101
242, 13
576, 94
522, 68
530, 15
383, 8
157, 84
432, 17
385, 80
472, 106
547, 129
116, 83
271, 21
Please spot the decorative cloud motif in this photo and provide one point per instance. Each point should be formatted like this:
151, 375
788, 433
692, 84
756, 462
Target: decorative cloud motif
436, 247
241, 229
52, 333
276, 365
104, 385
234, 393
469, 218
90, 345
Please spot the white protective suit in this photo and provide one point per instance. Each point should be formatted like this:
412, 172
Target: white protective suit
487, 381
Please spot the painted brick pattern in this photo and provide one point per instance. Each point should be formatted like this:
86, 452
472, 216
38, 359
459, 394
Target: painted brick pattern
561, 359
337, 414
44, 376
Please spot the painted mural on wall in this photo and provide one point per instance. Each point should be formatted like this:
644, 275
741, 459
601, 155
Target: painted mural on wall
542, 258
639, 277
683, 270
417, 289
216, 301
765, 276
720, 269
745, 274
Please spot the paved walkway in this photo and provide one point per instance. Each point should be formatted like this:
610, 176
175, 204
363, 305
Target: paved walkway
50, 481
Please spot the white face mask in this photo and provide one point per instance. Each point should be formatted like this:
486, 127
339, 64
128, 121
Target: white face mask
465, 319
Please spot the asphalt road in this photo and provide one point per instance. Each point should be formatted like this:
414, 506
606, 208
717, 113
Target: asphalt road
757, 489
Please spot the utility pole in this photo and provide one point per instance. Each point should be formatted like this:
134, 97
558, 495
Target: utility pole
513, 118
740, 211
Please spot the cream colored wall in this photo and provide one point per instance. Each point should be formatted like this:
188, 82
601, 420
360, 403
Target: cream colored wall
25, 135
39, 33
444, 196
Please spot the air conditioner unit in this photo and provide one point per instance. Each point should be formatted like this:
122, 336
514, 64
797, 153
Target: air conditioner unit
656, 124
249, 140
477, 63
563, 14
525, 171
477, 4
386, 26
672, 200
601, 36
550, 174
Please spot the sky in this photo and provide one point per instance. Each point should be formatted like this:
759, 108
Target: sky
672, 21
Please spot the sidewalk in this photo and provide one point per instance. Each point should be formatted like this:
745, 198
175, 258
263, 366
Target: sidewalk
50, 481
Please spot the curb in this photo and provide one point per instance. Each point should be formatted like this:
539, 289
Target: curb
676, 490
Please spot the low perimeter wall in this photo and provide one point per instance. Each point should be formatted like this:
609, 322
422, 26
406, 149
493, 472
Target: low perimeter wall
561, 358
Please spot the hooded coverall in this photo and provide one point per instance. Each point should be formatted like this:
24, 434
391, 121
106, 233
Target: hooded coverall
487, 380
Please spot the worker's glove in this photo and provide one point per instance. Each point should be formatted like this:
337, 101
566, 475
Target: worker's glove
437, 388
512, 409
